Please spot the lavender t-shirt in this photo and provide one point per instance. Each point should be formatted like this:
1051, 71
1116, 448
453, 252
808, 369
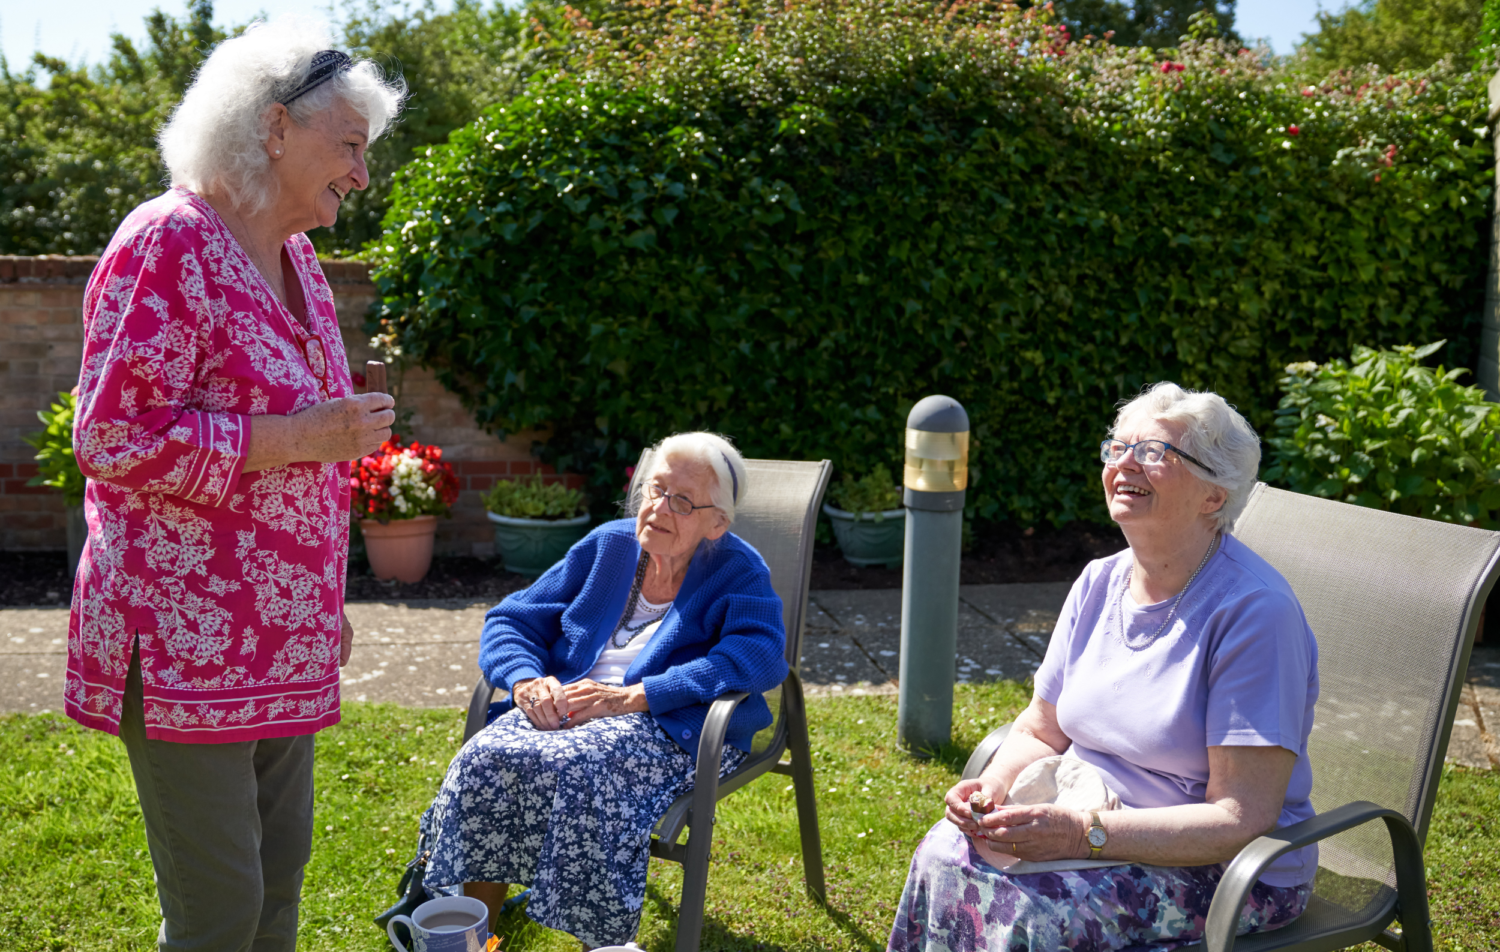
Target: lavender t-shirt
1237, 666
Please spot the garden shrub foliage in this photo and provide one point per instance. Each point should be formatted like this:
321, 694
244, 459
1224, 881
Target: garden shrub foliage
789, 221
1391, 434
55, 463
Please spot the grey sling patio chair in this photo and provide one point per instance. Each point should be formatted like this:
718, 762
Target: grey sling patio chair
1394, 602
777, 518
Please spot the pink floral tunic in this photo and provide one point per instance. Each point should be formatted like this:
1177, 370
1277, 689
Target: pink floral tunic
232, 583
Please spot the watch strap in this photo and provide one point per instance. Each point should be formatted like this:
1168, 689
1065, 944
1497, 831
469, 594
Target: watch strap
1094, 851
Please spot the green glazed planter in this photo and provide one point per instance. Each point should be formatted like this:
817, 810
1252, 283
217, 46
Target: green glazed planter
868, 542
532, 546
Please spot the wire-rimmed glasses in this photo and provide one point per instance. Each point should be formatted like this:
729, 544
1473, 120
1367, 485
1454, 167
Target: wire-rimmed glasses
315, 355
1147, 452
678, 503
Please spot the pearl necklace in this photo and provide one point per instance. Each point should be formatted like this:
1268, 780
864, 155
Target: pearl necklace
1213, 547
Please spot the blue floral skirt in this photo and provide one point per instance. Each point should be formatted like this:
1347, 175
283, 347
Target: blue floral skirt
568, 813
956, 902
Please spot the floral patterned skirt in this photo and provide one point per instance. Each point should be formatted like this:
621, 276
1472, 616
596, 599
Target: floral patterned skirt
956, 902
567, 812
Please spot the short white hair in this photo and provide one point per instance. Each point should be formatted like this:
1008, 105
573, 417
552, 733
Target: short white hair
1212, 431
216, 137
731, 479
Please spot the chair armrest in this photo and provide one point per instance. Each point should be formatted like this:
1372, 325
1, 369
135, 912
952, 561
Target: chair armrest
1240, 877
710, 745
985, 752
711, 752
479, 708
716, 725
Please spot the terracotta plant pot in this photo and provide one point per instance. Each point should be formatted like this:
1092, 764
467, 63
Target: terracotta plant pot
400, 549
868, 540
531, 546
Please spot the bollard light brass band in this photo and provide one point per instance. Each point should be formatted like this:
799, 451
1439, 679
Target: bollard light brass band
936, 462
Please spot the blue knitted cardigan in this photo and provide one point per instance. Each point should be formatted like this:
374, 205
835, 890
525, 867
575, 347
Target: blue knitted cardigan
724, 631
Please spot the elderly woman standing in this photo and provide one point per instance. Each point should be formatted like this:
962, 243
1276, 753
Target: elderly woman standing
216, 418
1183, 671
612, 659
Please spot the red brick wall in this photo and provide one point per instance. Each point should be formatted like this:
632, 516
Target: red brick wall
41, 317
40, 347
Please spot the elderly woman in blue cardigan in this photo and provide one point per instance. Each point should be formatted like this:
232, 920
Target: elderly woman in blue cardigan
612, 659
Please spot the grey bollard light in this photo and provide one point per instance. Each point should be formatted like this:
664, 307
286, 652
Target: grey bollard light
936, 476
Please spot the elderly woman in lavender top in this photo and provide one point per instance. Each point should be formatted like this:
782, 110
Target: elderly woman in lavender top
612, 659
1183, 670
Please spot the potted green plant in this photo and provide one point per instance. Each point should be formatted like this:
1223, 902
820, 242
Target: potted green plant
58, 467
868, 519
397, 494
536, 522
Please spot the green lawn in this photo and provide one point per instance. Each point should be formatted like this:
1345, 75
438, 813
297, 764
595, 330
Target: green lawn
74, 872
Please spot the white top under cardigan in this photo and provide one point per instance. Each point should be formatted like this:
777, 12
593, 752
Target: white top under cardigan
614, 662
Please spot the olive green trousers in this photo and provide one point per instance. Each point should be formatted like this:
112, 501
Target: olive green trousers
230, 830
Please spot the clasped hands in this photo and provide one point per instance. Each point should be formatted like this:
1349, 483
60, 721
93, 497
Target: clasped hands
551, 705
1035, 832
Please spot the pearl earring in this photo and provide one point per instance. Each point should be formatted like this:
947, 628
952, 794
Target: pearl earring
278, 152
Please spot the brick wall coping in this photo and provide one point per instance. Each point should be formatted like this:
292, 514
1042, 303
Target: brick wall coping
68, 269
46, 269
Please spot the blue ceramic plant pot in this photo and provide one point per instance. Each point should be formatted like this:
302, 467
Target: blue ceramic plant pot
532, 546
870, 538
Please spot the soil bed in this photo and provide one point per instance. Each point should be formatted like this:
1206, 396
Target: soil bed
1000, 553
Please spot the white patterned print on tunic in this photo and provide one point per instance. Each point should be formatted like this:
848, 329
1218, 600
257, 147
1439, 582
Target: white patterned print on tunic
229, 583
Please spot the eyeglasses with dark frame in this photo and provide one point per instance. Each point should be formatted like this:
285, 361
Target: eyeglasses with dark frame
1146, 452
678, 503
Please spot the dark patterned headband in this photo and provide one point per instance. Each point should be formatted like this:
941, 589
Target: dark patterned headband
735, 495
325, 66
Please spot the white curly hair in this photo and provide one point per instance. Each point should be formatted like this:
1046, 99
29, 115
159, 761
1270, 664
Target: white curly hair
1212, 430
215, 138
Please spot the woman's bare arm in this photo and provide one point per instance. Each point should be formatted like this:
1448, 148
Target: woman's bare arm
1246, 790
334, 431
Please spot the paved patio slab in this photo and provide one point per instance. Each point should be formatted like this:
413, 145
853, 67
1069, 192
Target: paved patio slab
422, 654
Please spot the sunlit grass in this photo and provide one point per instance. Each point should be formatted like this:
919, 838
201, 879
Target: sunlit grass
74, 872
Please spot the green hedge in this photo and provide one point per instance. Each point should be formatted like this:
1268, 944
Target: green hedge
789, 223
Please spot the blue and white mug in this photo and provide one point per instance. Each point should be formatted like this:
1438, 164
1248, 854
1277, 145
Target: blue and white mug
449, 924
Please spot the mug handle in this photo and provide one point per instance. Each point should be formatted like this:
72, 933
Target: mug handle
390, 930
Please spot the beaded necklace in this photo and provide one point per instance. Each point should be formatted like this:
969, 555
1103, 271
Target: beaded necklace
1171, 612
630, 606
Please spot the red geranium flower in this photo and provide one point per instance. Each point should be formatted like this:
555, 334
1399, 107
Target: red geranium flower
397, 482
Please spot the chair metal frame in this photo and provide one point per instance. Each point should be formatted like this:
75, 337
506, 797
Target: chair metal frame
1408, 901
790, 737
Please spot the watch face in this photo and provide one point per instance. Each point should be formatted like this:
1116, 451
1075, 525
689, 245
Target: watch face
1097, 837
